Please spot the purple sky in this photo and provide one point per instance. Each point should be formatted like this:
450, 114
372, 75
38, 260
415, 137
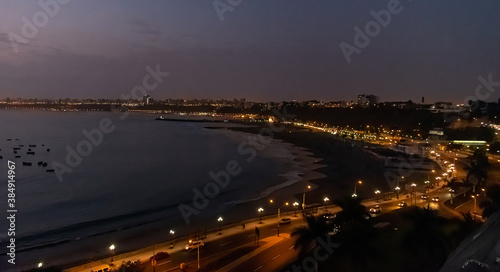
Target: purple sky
262, 50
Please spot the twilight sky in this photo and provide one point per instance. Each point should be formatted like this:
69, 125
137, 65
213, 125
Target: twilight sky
262, 50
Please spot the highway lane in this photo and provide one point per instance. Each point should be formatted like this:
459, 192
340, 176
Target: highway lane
272, 259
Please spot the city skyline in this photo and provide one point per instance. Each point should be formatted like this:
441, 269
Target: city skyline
221, 52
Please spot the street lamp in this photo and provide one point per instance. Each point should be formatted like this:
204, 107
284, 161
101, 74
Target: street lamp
220, 222
413, 185
40, 264
377, 192
304, 198
355, 185
279, 213
427, 184
397, 190
475, 202
295, 205
260, 210
326, 200
112, 248
172, 232
451, 194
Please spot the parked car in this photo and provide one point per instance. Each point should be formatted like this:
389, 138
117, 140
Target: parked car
435, 199
403, 204
424, 197
159, 256
375, 209
285, 220
194, 244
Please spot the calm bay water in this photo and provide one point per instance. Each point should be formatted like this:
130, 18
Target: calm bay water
134, 179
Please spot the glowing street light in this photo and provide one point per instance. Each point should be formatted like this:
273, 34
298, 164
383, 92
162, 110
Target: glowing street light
304, 198
377, 192
413, 185
220, 224
475, 203
279, 213
355, 187
295, 205
326, 200
40, 264
260, 211
112, 248
172, 232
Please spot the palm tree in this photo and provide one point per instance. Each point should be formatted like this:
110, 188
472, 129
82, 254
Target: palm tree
426, 237
306, 235
352, 211
478, 174
492, 204
355, 234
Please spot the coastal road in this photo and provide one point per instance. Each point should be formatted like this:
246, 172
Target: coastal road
218, 248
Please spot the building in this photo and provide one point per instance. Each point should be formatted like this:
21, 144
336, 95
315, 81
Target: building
366, 100
146, 99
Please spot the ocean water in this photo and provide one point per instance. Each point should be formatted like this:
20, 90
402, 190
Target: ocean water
134, 179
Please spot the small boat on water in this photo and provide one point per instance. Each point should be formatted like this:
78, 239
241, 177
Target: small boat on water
27, 163
40, 162
32, 145
18, 156
1, 157
44, 164
16, 148
48, 149
9, 139
30, 153
49, 170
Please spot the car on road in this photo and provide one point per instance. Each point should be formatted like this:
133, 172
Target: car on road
375, 209
329, 216
194, 244
435, 199
424, 197
285, 220
159, 256
402, 204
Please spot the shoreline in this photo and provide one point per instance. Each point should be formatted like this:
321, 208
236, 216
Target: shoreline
311, 164
78, 251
